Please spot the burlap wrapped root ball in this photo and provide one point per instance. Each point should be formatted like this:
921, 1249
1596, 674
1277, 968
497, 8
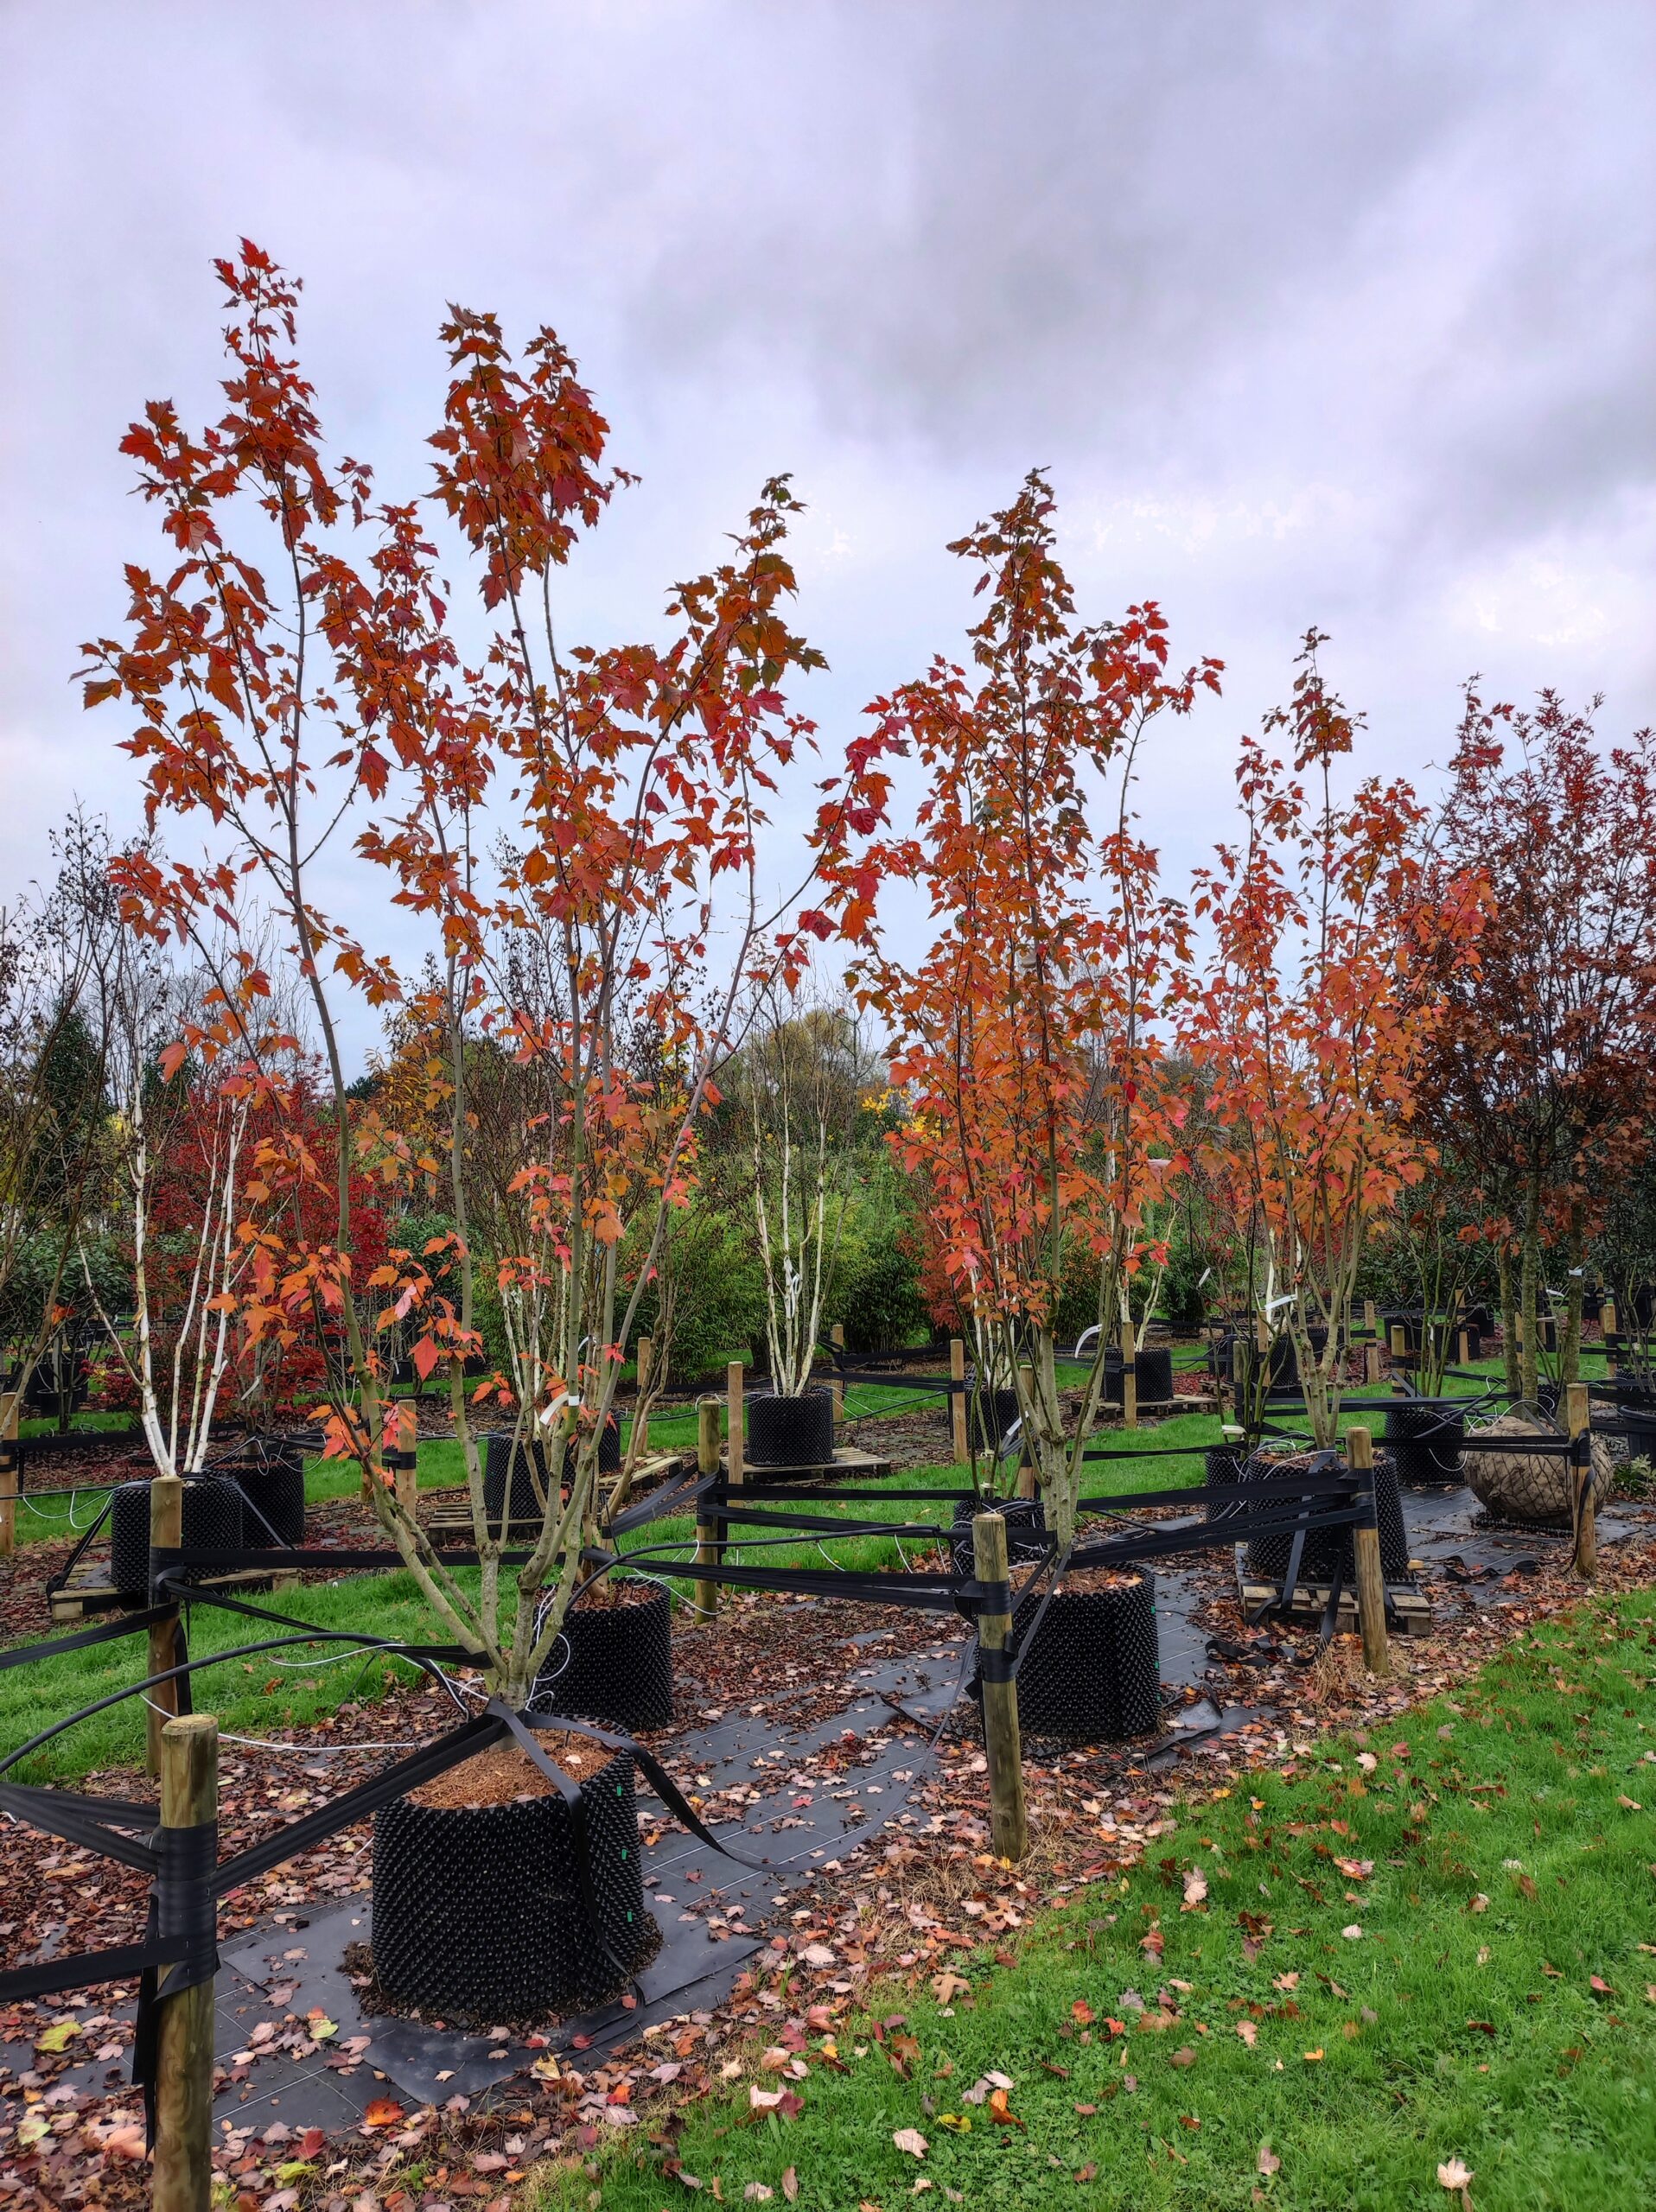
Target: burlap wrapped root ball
1534, 1486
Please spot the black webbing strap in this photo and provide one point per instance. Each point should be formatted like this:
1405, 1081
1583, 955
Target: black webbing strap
659, 1780
575, 1805
82, 1639
673, 1497
184, 1929
91, 1823
295, 1836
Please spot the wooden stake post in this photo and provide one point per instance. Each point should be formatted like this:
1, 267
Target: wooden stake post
640, 1439
1009, 1823
1371, 1582
958, 1401
166, 1533
1606, 1321
709, 1550
733, 1390
1579, 1420
183, 2164
1371, 1362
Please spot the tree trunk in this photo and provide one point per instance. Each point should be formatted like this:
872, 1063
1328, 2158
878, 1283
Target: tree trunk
1569, 1367
1529, 1285
1508, 1323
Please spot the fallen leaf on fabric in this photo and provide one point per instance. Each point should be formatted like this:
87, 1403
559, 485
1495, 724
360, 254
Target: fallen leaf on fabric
383, 2112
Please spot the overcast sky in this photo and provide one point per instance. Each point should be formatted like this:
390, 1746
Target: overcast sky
1326, 313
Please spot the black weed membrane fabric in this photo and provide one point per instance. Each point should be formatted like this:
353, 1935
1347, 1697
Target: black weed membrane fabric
612, 1662
791, 1431
1424, 1442
1329, 1551
1093, 1673
213, 1522
481, 1911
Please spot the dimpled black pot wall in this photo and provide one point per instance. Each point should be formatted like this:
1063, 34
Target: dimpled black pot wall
791, 1431
479, 1911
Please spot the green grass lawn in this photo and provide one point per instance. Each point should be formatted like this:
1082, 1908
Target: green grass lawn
1511, 1865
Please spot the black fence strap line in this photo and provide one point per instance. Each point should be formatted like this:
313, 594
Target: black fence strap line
51, 1977
93, 1823
1156, 1450
1541, 1446
813, 1524
82, 1639
676, 1497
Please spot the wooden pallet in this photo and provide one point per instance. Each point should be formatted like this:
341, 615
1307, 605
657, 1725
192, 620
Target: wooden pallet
451, 1513
1160, 1409
849, 1459
89, 1589
1410, 1614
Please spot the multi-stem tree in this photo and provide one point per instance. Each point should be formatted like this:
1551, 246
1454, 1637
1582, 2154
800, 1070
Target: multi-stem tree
1026, 1039
1308, 1028
182, 1173
1545, 1060
291, 690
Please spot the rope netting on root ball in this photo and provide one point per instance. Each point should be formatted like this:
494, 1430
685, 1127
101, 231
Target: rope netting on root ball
1539, 1486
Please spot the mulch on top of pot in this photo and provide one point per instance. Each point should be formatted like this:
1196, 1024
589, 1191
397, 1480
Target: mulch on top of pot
504, 1774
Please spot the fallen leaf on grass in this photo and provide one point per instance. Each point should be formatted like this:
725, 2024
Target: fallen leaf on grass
790, 2184
1002, 2111
757, 2192
1154, 1944
1248, 2032
1186, 2057
1453, 2174
1312, 2056
1081, 2011
1267, 2162
1195, 1890
911, 2141
1354, 1934
947, 1986
958, 2123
